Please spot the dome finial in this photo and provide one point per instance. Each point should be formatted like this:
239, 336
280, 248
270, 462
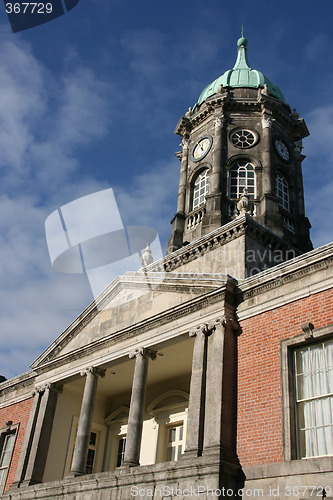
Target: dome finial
242, 42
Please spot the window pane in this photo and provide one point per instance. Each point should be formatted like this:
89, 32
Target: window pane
93, 438
324, 440
5, 458
242, 176
3, 477
314, 402
121, 451
7, 449
90, 459
200, 189
282, 191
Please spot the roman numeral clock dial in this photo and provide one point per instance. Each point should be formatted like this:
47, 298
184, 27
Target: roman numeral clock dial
201, 148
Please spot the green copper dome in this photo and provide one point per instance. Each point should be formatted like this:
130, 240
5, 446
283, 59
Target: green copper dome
241, 75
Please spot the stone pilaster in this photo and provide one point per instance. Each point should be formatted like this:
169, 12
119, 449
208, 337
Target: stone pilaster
195, 421
178, 222
135, 417
215, 177
183, 175
213, 217
221, 387
40, 427
27, 441
84, 427
266, 123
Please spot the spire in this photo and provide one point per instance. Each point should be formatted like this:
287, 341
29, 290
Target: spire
241, 75
242, 61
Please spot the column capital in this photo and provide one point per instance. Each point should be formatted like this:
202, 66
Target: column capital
266, 121
232, 323
142, 351
39, 389
184, 143
94, 370
204, 328
219, 121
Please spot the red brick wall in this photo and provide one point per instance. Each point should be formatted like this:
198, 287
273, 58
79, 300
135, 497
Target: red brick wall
259, 385
18, 413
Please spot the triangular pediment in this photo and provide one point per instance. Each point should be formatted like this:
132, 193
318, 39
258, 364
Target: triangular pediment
132, 301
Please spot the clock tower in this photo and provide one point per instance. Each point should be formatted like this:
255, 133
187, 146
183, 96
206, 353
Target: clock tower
241, 152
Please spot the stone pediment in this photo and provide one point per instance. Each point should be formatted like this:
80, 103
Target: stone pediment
133, 301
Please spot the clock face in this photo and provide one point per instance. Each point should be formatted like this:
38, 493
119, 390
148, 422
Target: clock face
201, 148
282, 149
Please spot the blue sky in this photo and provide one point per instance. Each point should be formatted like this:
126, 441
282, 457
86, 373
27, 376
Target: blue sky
90, 101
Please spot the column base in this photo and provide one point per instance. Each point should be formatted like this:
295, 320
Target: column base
223, 454
28, 482
14, 485
190, 454
128, 464
75, 474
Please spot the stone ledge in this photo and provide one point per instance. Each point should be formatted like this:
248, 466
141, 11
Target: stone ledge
294, 467
178, 474
240, 226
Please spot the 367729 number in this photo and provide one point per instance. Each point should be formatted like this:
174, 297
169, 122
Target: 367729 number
28, 8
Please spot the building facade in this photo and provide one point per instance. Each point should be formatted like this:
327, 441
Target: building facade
209, 372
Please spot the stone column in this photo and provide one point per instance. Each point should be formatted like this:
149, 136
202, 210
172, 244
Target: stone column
135, 417
195, 420
37, 445
221, 386
84, 427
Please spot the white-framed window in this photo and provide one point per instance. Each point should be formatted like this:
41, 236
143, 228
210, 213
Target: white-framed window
175, 441
91, 455
170, 414
313, 369
242, 176
117, 423
7, 442
200, 189
97, 438
121, 450
282, 191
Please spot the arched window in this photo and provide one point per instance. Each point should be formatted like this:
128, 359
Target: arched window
242, 176
282, 191
201, 188
170, 414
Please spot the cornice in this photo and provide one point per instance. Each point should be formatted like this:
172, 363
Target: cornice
223, 294
17, 384
175, 282
238, 227
227, 103
305, 265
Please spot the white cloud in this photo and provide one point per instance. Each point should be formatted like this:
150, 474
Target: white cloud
320, 124
316, 47
317, 173
150, 199
43, 121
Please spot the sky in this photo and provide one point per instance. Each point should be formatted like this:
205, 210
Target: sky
89, 101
